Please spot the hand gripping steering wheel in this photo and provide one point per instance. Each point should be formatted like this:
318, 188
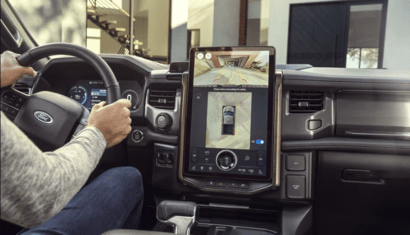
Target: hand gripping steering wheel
50, 119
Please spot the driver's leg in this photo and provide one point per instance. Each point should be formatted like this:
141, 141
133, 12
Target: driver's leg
102, 205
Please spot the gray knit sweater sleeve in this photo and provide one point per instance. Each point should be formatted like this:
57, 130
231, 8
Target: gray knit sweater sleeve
35, 186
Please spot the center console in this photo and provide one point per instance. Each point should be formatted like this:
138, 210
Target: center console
230, 127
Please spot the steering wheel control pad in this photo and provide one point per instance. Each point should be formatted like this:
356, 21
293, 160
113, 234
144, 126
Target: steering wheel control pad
49, 115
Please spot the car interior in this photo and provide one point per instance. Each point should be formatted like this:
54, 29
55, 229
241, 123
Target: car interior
236, 148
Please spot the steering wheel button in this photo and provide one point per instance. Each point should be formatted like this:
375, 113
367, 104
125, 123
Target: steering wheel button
13, 112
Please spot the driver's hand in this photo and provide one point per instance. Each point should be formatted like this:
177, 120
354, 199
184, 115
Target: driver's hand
11, 71
112, 120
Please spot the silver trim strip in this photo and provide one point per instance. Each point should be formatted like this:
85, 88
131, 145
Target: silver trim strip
403, 135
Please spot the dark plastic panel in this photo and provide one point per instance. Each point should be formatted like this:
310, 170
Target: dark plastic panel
359, 207
373, 114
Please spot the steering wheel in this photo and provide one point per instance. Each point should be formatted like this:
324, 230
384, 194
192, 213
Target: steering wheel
50, 119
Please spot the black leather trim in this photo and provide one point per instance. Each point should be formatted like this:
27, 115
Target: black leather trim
168, 209
349, 145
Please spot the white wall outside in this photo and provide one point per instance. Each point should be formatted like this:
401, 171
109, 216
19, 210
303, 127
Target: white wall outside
226, 23
201, 16
179, 17
397, 37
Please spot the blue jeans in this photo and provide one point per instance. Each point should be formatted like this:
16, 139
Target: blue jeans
111, 201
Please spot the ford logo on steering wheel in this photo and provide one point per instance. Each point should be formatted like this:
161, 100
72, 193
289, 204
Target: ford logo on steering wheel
43, 117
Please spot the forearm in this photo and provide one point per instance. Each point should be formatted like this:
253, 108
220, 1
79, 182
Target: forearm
35, 185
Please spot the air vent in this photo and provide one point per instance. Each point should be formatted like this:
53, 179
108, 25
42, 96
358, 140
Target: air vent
162, 99
23, 89
305, 101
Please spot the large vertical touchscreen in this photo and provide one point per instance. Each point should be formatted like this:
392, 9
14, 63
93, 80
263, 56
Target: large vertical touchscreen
229, 119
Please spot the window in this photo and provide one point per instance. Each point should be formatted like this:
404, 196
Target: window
342, 34
112, 18
364, 36
52, 20
257, 23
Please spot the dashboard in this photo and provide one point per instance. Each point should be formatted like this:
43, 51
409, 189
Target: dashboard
339, 135
318, 109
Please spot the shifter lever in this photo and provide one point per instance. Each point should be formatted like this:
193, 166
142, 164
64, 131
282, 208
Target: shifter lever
179, 214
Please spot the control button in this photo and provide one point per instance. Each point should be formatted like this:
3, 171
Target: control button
13, 112
202, 168
295, 186
220, 184
194, 155
233, 185
315, 124
207, 152
251, 171
247, 157
210, 168
207, 159
241, 170
260, 141
260, 172
163, 121
295, 162
243, 185
194, 168
210, 183
169, 158
226, 160
261, 159
194, 159
5, 108
137, 136
198, 96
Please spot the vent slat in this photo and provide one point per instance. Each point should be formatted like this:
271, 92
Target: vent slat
305, 101
162, 99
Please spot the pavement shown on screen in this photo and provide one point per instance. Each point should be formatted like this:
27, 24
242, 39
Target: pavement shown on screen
243, 107
231, 76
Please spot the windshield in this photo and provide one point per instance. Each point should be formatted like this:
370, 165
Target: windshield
342, 34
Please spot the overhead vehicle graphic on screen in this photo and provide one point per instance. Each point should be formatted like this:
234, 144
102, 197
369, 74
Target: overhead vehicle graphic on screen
228, 122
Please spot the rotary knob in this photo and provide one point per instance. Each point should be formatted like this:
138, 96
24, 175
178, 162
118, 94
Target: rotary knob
226, 160
163, 121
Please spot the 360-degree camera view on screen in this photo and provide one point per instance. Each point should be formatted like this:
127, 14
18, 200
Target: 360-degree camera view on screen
227, 68
230, 100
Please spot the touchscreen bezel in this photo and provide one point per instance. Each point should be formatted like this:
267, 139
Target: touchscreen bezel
271, 112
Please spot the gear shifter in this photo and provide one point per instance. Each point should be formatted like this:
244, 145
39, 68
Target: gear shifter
179, 214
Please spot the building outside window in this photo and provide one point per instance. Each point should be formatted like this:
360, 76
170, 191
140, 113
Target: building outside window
347, 34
